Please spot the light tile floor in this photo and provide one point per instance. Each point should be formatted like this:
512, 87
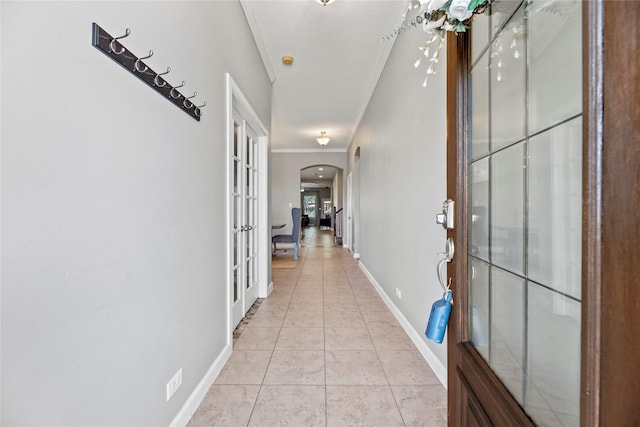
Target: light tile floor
323, 350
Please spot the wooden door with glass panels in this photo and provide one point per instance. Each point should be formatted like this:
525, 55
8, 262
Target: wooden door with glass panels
515, 171
245, 219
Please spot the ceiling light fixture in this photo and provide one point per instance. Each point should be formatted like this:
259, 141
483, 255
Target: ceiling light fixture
323, 139
325, 2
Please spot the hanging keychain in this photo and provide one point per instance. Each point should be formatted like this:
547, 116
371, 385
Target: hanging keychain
441, 309
439, 317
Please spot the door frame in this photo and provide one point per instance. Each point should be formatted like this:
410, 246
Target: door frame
236, 101
611, 227
349, 216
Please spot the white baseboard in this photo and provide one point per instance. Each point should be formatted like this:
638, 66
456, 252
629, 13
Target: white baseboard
436, 365
356, 255
198, 394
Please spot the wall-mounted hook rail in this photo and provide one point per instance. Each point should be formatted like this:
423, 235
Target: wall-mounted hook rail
113, 48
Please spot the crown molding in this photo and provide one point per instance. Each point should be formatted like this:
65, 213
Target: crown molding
257, 37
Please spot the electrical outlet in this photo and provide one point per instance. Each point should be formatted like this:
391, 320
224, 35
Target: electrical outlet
398, 293
174, 384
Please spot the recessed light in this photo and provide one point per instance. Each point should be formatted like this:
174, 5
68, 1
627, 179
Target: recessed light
320, 176
320, 169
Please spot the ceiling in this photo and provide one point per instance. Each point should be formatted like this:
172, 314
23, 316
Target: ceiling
339, 51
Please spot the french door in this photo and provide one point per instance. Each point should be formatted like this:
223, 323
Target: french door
244, 213
543, 175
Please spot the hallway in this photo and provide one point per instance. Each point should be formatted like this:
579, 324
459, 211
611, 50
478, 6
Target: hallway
323, 350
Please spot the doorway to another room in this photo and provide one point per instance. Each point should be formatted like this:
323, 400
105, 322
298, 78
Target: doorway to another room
247, 227
321, 199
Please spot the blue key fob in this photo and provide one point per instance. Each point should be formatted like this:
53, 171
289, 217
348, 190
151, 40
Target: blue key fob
439, 317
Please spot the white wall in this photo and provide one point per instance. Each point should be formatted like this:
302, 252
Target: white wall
285, 180
113, 245
399, 183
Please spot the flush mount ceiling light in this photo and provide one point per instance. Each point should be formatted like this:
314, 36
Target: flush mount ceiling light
325, 2
287, 60
323, 139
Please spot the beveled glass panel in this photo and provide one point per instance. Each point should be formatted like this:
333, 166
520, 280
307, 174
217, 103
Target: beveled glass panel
555, 58
480, 108
553, 377
507, 72
507, 208
507, 330
480, 35
555, 210
501, 11
480, 209
480, 306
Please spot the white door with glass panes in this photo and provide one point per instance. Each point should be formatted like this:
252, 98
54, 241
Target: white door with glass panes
244, 212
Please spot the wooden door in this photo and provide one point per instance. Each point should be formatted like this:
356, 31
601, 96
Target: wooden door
523, 265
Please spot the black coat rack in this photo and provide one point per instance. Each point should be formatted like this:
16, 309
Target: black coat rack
112, 47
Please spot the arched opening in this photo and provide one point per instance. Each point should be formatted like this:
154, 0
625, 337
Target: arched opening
321, 196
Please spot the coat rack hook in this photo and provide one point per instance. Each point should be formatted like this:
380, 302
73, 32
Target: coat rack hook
139, 65
197, 111
188, 104
174, 93
112, 45
158, 81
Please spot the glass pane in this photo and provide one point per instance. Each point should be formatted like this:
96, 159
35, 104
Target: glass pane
553, 380
236, 130
236, 293
480, 37
236, 211
248, 147
507, 208
508, 67
480, 108
480, 307
501, 11
507, 330
555, 229
249, 271
235, 249
235, 175
555, 58
480, 209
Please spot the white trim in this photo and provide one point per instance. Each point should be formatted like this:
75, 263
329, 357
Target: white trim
262, 49
356, 255
436, 365
195, 399
229, 220
308, 150
236, 101
264, 238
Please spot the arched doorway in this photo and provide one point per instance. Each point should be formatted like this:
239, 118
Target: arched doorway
321, 197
